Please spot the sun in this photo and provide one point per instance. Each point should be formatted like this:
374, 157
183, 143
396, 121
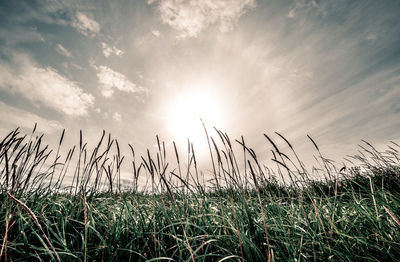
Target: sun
186, 112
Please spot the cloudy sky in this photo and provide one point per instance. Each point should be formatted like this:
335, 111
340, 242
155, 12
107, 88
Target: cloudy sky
330, 69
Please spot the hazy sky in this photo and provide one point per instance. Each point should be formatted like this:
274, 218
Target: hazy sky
330, 69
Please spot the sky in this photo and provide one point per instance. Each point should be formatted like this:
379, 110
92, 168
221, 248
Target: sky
328, 69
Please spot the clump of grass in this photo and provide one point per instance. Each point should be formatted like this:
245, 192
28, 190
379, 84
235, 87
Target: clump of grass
243, 213
36, 221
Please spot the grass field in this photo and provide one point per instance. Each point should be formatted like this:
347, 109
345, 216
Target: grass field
246, 213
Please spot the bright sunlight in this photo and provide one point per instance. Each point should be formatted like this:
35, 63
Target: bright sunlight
185, 112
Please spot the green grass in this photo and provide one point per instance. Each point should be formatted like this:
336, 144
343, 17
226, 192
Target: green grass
246, 212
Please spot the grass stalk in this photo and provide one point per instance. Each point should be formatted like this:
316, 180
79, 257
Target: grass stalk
36, 221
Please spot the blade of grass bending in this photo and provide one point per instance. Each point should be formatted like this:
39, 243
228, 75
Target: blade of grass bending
262, 211
211, 155
322, 158
177, 208
392, 216
56, 159
36, 221
305, 173
85, 219
237, 227
280, 155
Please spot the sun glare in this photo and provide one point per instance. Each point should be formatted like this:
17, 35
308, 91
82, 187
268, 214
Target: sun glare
187, 109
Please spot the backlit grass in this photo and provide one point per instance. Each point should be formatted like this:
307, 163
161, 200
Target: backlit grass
244, 211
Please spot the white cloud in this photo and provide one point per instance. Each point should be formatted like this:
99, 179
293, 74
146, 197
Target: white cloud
117, 117
84, 24
292, 13
156, 33
107, 50
110, 80
372, 37
44, 85
20, 118
63, 51
191, 17
139, 74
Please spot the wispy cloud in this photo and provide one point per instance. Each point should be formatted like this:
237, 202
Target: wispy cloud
316, 8
117, 116
17, 34
111, 80
43, 86
75, 13
20, 118
292, 13
63, 51
85, 25
191, 17
108, 50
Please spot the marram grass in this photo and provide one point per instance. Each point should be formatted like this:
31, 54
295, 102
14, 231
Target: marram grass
246, 213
